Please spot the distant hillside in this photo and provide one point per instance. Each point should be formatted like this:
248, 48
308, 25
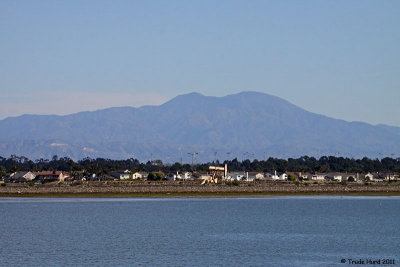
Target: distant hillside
248, 124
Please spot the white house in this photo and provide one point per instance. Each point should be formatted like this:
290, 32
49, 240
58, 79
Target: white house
337, 177
369, 177
139, 175
186, 176
179, 176
120, 175
304, 176
390, 177
283, 177
171, 176
235, 176
273, 176
318, 177
256, 175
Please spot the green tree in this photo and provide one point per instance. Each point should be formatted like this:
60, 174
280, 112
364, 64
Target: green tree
292, 177
154, 176
2, 171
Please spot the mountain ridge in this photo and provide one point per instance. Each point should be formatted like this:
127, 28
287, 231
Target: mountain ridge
250, 124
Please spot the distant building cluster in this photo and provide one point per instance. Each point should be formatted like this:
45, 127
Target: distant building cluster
60, 176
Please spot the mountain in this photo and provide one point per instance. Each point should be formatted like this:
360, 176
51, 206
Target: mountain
244, 125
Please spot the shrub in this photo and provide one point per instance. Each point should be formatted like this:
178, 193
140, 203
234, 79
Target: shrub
154, 176
234, 183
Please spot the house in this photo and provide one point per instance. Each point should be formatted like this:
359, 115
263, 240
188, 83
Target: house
120, 175
282, 176
390, 177
337, 177
25, 176
139, 175
385, 177
255, 176
51, 176
187, 176
272, 176
275, 176
304, 176
268, 176
251, 177
236, 176
180, 176
369, 177
173, 176
379, 178
92, 177
318, 177
351, 177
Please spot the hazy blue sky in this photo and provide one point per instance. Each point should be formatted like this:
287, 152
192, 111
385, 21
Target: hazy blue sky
337, 58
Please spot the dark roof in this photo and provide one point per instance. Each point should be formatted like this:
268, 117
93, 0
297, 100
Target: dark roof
19, 175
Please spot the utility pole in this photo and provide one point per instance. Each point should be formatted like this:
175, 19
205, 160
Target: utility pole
180, 152
193, 154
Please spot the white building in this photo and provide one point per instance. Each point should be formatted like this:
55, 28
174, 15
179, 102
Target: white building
283, 177
318, 177
186, 176
337, 177
369, 177
256, 175
120, 175
173, 176
235, 176
139, 175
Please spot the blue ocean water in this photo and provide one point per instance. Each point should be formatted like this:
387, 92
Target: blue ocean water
271, 231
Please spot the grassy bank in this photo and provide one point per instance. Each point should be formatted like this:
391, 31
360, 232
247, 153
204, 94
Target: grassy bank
143, 189
197, 194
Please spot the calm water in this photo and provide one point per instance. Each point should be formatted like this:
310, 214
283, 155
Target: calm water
286, 231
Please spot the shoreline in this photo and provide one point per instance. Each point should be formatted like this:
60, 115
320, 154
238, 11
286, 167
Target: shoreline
193, 195
145, 189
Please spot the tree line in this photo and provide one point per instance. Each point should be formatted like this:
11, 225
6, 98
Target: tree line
101, 166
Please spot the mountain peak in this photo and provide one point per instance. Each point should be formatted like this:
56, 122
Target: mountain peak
185, 98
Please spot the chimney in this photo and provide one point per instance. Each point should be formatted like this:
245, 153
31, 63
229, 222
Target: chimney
226, 170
